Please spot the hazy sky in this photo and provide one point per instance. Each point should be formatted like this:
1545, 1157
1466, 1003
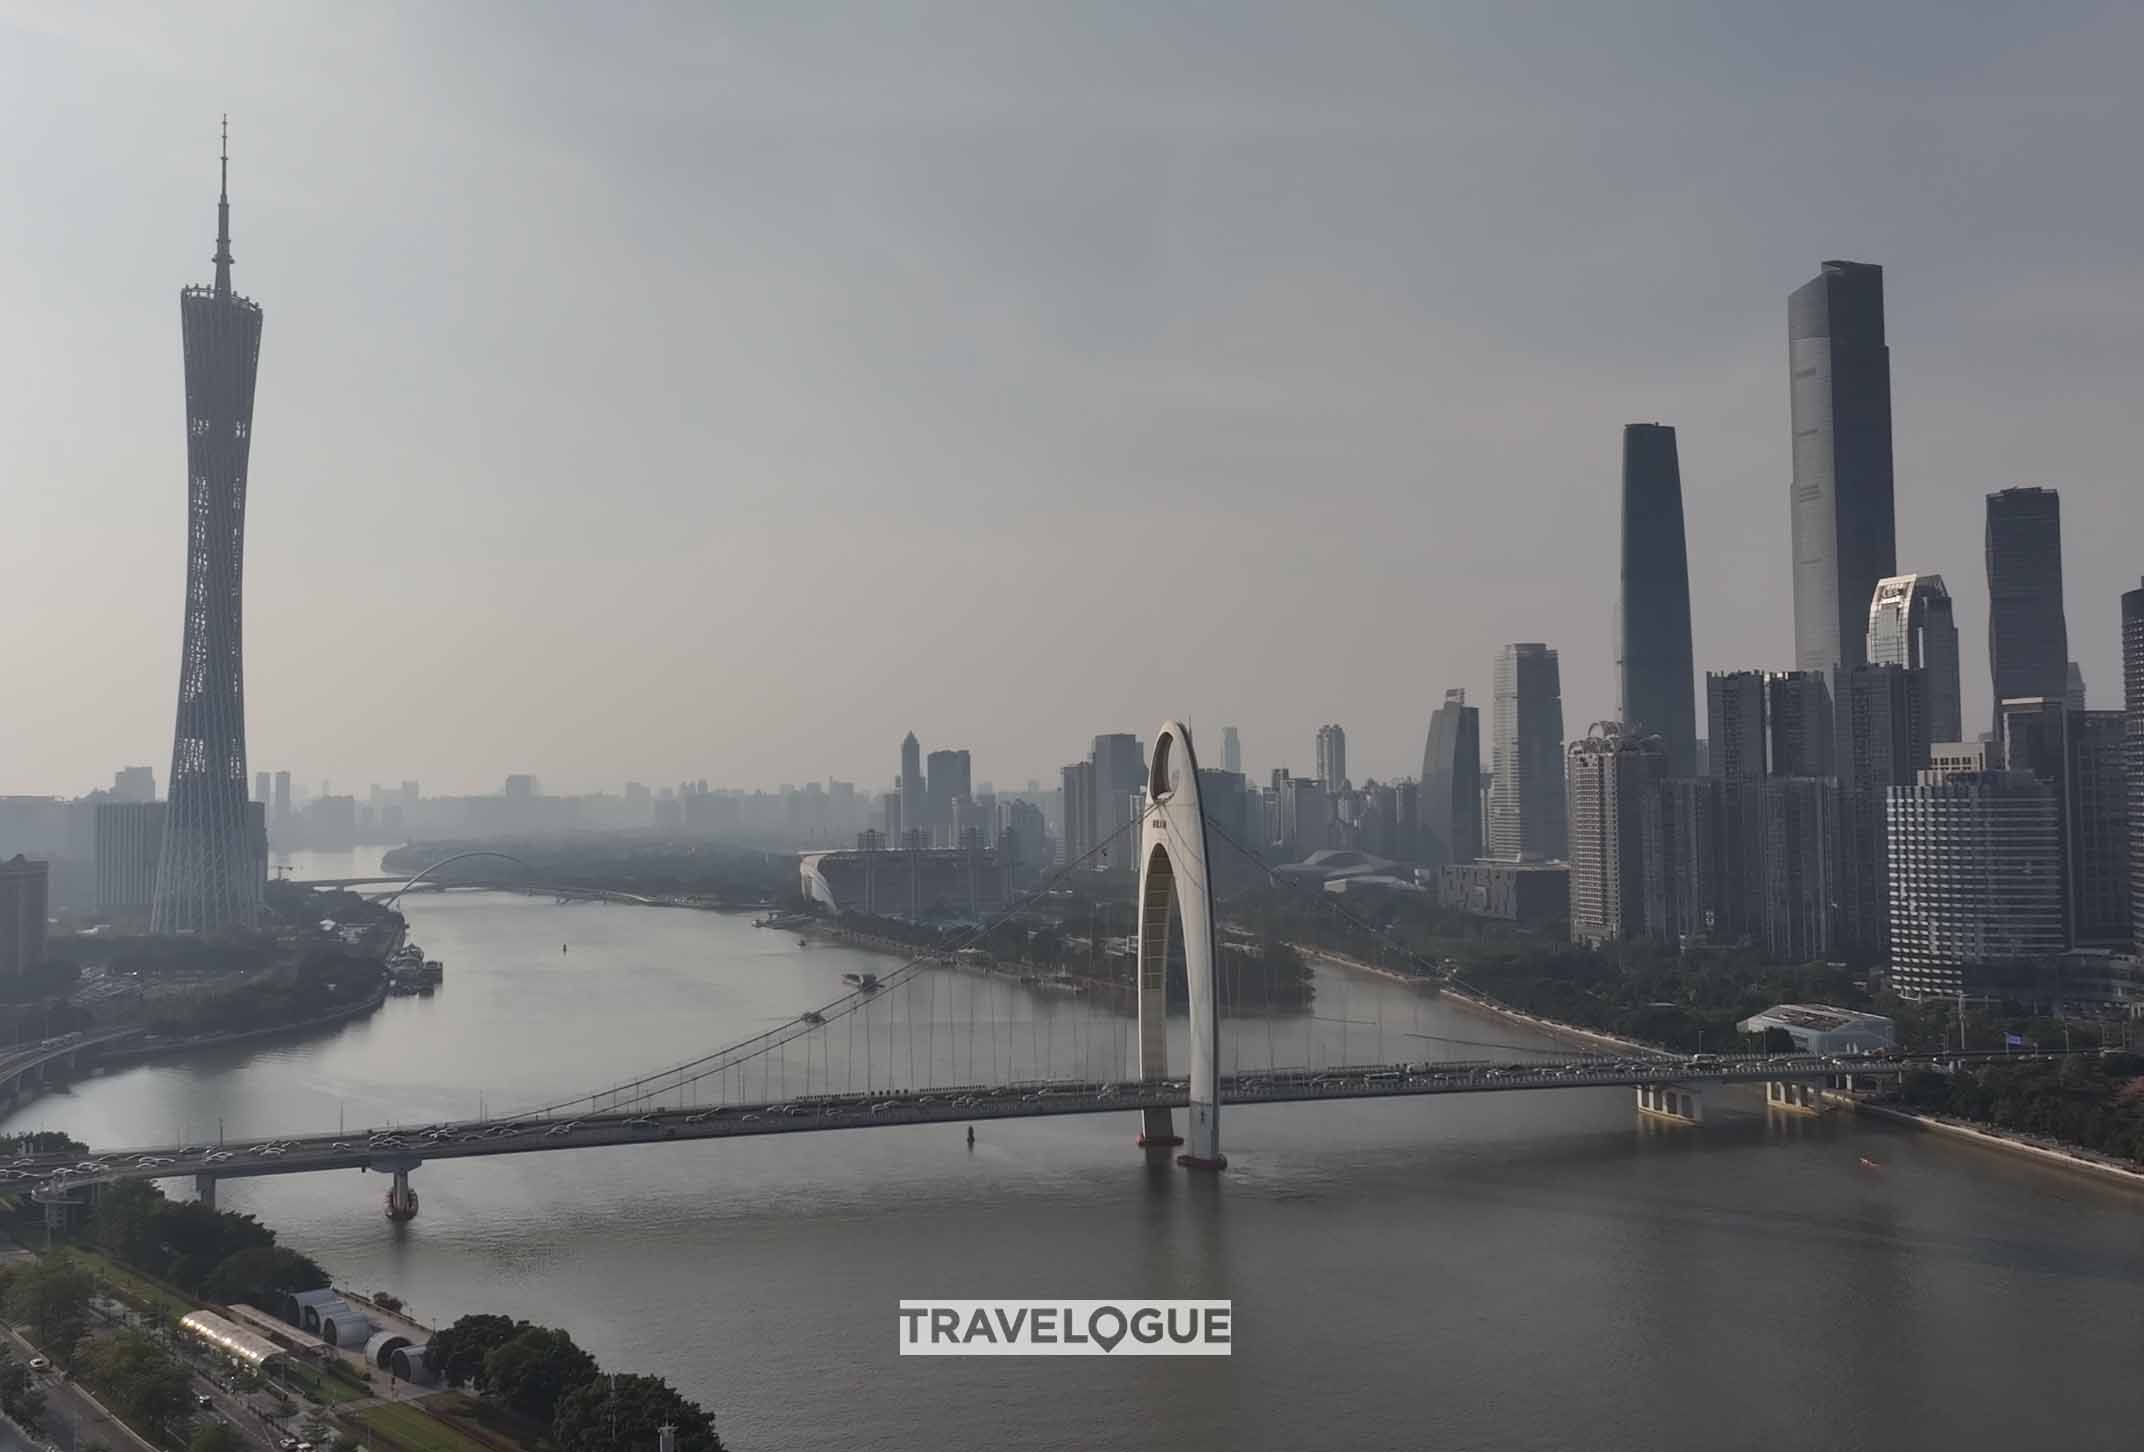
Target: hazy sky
723, 391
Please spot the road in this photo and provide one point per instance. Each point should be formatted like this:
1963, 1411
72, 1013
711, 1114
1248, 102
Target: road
631, 1117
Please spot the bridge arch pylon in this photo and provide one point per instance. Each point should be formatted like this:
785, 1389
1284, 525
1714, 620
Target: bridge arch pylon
390, 899
1173, 873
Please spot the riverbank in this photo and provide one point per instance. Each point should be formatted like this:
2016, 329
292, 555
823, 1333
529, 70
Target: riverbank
2074, 1159
1017, 972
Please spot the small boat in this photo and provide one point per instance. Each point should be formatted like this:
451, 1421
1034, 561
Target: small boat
1869, 1164
803, 943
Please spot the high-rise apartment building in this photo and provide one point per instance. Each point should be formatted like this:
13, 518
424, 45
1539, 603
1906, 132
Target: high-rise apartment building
1976, 883
1231, 750
130, 838
947, 779
1331, 759
1911, 625
262, 787
1844, 520
2133, 756
1527, 809
2028, 634
207, 880
914, 815
2073, 690
1882, 742
1799, 873
1799, 712
1618, 849
1735, 725
1450, 797
1654, 670
134, 784
25, 887
2096, 829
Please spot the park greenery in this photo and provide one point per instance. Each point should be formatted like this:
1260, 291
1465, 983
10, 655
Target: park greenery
2094, 1101
20, 1396
616, 864
140, 1380
538, 1373
219, 1254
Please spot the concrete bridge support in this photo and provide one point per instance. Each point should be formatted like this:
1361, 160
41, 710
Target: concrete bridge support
1794, 1096
1173, 873
205, 1190
401, 1199
1676, 1103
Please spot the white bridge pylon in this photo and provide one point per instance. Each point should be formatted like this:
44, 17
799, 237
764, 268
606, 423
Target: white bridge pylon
1172, 872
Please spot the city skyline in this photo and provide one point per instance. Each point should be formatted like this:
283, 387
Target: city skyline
378, 519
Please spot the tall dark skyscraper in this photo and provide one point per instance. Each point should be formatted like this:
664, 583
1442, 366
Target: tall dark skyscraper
1798, 707
947, 779
1845, 525
1655, 675
1881, 742
2133, 756
2028, 637
1231, 750
1450, 799
914, 817
1528, 814
208, 877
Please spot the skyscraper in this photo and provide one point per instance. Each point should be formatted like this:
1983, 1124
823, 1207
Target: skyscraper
913, 814
2028, 637
1231, 750
1798, 706
1911, 625
1735, 724
134, 784
1528, 819
1450, 798
1332, 759
261, 787
2097, 829
25, 893
1620, 885
1882, 742
947, 780
2074, 690
209, 877
1976, 883
2133, 755
1653, 668
1845, 523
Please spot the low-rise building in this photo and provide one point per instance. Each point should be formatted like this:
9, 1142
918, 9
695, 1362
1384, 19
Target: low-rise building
1820, 1029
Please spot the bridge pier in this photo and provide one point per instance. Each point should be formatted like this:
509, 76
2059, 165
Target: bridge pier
1676, 1103
401, 1199
205, 1190
1792, 1097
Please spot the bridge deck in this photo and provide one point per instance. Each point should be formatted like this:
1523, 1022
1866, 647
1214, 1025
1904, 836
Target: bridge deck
54, 1175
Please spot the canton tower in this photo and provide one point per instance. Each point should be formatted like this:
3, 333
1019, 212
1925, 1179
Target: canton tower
208, 879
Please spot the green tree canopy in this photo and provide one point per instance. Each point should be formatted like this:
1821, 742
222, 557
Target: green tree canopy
256, 1274
52, 1298
456, 1355
140, 1379
625, 1414
533, 1372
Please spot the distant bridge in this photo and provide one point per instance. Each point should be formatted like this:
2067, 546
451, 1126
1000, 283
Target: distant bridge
65, 1050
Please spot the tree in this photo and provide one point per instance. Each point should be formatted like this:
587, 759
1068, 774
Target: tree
215, 1437
140, 1379
52, 1297
255, 1276
456, 1355
533, 1372
625, 1414
20, 1397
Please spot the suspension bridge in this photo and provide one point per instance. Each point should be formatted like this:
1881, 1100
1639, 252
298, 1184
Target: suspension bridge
919, 1065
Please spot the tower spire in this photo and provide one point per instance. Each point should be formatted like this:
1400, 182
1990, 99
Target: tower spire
223, 217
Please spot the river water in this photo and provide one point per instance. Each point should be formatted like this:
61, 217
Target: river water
1516, 1271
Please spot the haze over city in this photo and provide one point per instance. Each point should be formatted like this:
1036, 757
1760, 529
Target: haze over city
667, 394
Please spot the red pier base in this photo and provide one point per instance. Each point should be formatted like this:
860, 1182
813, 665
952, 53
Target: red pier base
1200, 1162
